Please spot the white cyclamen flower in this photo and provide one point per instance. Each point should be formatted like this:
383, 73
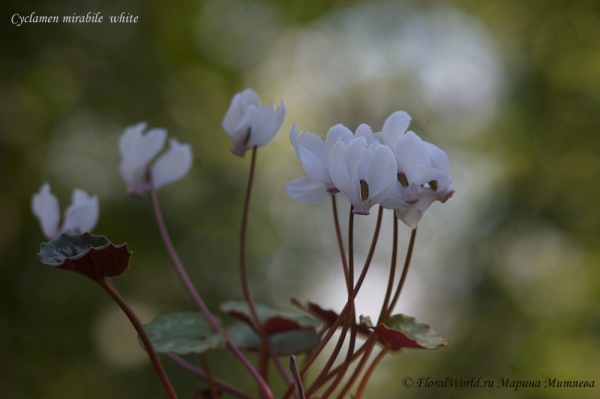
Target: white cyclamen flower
312, 153
248, 124
365, 173
81, 216
138, 149
423, 171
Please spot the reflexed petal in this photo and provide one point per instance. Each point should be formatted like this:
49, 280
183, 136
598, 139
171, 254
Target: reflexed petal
265, 125
307, 190
137, 150
410, 216
410, 154
335, 134
439, 158
394, 128
338, 170
381, 174
173, 165
45, 207
82, 215
364, 130
239, 105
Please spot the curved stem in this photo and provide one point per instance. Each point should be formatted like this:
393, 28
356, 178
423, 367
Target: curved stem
363, 273
139, 327
244, 273
390, 287
370, 370
191, 290
341, 317
411, 246
338, 234
209, 377
223, 386
367, 348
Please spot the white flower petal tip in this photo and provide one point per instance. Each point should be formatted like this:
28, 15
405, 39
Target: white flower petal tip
249, 124
80, 217
138, 149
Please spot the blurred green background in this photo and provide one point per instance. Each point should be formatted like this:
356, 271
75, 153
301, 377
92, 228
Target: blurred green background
508, 269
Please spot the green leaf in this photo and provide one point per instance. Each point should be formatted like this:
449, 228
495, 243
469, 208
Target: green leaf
285, 343
400, 331
183, 333
272, 321
93, 256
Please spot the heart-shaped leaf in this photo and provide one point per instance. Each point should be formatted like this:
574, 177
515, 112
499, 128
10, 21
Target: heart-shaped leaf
272, 321
91, 255
285, 343
183, 333
400, 331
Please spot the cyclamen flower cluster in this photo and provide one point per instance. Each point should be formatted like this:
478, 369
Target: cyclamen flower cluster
393, 168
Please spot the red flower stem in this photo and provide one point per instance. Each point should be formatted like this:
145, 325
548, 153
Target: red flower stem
297, 378
355, 356
338, 234
390, 287
223, 386
411, 246
191, 290
137, 324
209, 377
350, 316
316, 384
365, 269
367, 348
244, 274
361, 278
370, 370
331, 330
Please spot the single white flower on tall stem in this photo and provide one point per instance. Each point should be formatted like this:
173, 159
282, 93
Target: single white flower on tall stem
249, 124
139, 149
80, 217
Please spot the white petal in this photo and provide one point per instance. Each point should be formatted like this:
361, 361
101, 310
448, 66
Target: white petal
240, 103
311, 154
411, 153
439, 159
173, 165
338, 170
82, 214
335, 134
381, 175
266, 124
137, 150
45, 207
307, 190
410, 216
364, 130
394, 128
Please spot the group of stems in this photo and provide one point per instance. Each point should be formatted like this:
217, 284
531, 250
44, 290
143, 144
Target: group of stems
346, 319
347, 315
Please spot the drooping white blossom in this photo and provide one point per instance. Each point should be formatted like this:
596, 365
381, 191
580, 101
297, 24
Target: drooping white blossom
313, 153
365, 173
423, 170
80, 217
138, 149
249, 124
